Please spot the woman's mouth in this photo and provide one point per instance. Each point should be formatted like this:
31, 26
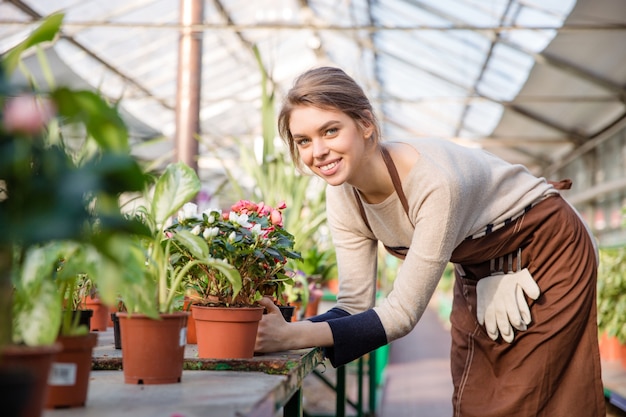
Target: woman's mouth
326, 168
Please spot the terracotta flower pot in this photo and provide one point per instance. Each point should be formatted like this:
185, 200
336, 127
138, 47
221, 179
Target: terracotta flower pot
610, 347
34, 363
333, 285
69, 377
314, 302
100, 318
154, 350
226, 333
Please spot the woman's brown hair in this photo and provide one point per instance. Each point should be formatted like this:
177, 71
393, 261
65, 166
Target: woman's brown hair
326, 88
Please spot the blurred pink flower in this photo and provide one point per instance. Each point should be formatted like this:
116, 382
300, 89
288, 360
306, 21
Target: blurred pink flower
27, 114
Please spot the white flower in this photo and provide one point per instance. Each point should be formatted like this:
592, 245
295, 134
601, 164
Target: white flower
232, 236
256, 229
189, 211
196, 230
240, 219
210, 232
212, 214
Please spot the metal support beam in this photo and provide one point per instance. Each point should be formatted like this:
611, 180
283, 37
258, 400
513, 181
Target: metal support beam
189, 83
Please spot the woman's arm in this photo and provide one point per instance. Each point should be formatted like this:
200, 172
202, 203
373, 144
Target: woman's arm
345, 337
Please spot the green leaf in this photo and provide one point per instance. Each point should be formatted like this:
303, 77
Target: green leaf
230, 273
102, 121
177, 186
40, 324
44, 33
197, 246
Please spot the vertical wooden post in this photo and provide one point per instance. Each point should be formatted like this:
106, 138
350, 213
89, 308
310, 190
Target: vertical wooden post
189, 83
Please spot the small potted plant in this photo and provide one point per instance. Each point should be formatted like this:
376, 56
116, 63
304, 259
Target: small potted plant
153, 328
48, 307
249, 238
297, 295
318, 266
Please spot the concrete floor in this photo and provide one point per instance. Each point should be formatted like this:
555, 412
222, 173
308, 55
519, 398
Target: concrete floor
418, 381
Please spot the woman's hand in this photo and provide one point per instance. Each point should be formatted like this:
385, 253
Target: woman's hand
276, 335
273, 334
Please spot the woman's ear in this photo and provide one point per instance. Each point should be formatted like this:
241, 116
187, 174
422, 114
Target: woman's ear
367, 126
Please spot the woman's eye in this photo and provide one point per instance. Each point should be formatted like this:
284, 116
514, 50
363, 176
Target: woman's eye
302, 142
332, 131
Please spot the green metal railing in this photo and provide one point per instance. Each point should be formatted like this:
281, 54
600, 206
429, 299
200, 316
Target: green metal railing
369, 369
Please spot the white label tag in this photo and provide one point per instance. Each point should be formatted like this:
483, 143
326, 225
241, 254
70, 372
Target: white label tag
62, 374
183, 337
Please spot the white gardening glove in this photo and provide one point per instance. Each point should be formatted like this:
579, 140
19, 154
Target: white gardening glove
501, 305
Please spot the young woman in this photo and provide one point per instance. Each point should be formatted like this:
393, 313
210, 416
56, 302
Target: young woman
524, 335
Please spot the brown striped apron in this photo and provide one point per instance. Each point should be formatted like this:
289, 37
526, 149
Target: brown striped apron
553, 368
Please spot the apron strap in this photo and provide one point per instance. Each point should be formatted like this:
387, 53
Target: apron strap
397, 185
564, 184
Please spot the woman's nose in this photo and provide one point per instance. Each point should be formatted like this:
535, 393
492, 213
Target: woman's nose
319, 148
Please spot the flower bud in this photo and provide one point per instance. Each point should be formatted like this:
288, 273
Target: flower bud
276, 218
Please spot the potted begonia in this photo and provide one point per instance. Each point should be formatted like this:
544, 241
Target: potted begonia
250, 237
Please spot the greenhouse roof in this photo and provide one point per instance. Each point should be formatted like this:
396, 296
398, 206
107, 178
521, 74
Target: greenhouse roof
536, 82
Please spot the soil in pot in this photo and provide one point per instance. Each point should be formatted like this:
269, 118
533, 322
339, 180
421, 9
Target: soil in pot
154, 350
69, 377
226, 333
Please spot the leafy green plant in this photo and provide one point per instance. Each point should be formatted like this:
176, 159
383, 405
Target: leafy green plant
48, 195
158, 288
612, 292
318, 265
49, 286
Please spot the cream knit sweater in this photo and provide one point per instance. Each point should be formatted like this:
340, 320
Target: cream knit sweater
453, 192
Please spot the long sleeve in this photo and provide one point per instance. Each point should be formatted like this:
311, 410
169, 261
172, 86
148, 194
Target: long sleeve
354, 336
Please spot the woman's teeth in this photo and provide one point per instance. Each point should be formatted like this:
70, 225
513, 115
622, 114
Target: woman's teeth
328, 167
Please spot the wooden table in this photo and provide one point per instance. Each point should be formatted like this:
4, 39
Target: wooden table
258, 387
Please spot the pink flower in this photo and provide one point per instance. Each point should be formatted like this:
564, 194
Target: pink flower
276, 218
27, 114
244, 206
262, 209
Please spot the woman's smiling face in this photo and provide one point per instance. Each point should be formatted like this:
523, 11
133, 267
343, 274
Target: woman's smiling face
329, 142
